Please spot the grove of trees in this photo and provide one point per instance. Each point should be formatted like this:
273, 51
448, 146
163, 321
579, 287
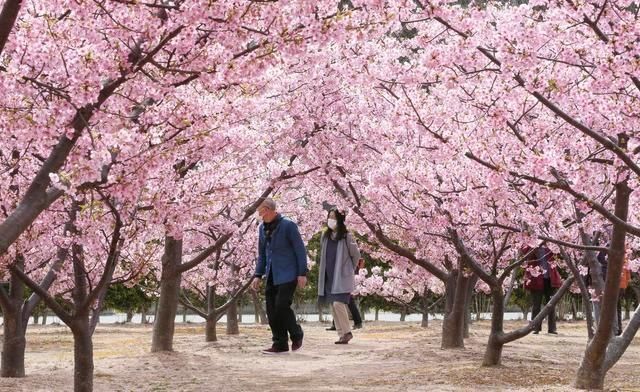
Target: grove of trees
139, 137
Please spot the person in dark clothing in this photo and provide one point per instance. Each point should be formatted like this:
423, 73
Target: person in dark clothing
282, 257
543, 285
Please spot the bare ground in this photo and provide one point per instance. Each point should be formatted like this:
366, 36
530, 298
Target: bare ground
383, 356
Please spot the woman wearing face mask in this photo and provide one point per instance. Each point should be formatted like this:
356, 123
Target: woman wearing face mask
339, 255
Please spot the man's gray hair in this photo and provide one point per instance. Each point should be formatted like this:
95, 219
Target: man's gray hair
269, 203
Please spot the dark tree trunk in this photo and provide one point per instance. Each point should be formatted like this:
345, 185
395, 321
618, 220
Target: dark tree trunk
584, 292
212, 316
82, 355
471, 285
129, 316
210, 329
164, 323
261, 315
44, 317
14, 341
320, 313
8, 17
454, 320
525, 313
36, 317
574, 309
403, 314
143, 315
493, 351
14, 327
377, 314
425, 319
593, 368
627, 308
232, 319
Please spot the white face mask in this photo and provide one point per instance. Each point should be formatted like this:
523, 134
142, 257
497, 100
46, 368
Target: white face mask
332, 223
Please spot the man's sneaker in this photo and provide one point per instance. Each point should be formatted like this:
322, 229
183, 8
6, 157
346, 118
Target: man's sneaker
344, 339
357, 326
275, 350
553, 332
331, 328
536, 332
296, 344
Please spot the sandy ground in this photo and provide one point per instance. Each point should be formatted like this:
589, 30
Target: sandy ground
384, 356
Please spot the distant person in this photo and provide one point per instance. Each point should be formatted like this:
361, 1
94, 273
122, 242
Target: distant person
339, 257
282, 257
625, 278
543, 285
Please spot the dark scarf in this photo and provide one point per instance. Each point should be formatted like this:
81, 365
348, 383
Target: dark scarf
270, 227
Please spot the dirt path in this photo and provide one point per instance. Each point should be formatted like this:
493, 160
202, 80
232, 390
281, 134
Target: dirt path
382, 357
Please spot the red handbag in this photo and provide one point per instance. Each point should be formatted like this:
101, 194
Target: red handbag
556, 279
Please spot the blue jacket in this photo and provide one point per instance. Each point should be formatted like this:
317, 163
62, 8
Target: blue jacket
285, 255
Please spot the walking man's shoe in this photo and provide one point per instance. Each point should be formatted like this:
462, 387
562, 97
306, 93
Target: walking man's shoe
331, 328
296, 344
357, 326
275, 350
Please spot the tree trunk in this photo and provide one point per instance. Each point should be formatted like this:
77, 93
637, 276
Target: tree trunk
320, 313
584, 292
15, 325
471, 286
36, 316
593, 369
143, 315
403, 314
627, 308
525, 313
8, 17
82, 355
184, 314
561, 310
210, 328
425, 319
479, 305
377, 313
14, 342
129, 316
164, 323
232, 319
44, 317
574, 309
493, 351
454, 321
261, 315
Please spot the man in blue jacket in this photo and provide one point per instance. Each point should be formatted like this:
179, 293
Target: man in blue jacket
282, 257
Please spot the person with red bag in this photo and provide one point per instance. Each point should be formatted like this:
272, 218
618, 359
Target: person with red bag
542, 278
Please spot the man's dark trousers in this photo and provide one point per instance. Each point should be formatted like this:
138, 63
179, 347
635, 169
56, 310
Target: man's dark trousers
281, 317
